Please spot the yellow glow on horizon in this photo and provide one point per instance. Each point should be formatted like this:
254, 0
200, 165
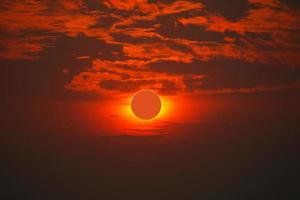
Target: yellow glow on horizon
116, 117
175, 109
127, 113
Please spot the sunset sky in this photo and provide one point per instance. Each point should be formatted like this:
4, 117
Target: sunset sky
227, 73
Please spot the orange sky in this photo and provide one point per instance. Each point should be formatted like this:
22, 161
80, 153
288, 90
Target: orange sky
227, 73
86, 51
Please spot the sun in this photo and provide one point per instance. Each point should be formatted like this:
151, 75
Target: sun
146, 104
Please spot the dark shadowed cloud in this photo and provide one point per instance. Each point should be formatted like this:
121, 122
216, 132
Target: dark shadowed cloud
168, 46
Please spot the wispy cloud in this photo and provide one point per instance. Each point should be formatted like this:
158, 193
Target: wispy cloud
155, 33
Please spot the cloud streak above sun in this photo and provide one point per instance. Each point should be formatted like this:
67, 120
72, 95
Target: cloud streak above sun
166, 46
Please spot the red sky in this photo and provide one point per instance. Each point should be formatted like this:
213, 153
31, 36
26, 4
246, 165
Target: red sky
168, 46
85, 51
228, 73
69, 51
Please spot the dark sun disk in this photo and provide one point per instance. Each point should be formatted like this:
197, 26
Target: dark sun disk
145, 104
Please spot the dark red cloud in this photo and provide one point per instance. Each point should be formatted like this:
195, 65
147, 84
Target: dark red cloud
141, 34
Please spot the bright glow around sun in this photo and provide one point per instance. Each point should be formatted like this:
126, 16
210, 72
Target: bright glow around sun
125, 119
